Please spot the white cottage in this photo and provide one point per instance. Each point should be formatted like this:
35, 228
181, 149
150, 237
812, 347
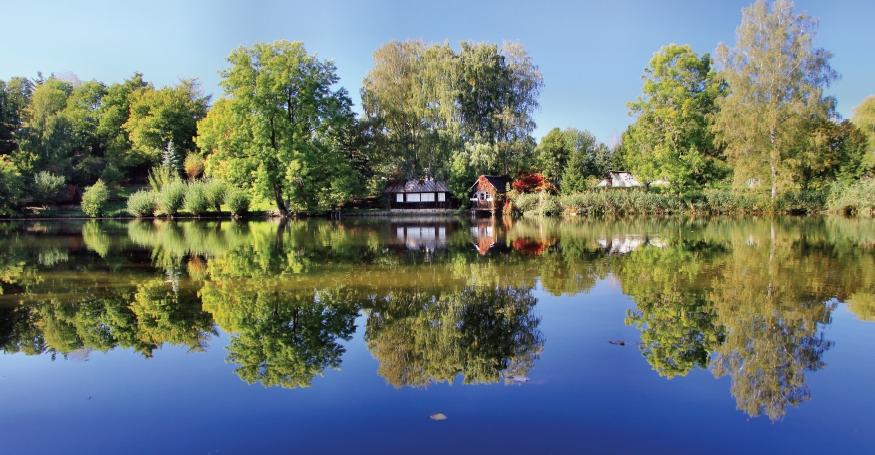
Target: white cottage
621, 179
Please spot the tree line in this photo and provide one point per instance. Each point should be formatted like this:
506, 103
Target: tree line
285, 132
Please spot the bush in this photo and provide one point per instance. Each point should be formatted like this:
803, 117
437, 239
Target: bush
94, 199
142, 203
237, 202
160, 176
196, 200
112, 176
47, 188
193, 165
214, 190
11, 187
172, 196
857, 197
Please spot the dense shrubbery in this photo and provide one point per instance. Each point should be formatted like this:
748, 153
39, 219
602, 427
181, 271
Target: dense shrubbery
47, 187
195, 197
11, 186
214, 191
852, 198
172, 196
237, 202
857, 197
94, 199
196, 201
143, 203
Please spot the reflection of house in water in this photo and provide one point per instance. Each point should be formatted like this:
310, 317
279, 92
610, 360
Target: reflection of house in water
421, 234
627, 243
487, 235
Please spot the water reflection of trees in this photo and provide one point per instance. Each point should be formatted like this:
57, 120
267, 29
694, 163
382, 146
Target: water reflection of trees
745, 298
749, 302
483, 333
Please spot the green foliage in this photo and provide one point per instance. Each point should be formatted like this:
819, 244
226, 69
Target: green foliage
143, 203
864, 119
215, 190
47, 187
94, 199
112, 176
292, 152
776, 79
196, 201
856, 197
237, 202
172, 196
425, 105
163, 123
617, 202
11, 186
671, 138
160, 176
115, 111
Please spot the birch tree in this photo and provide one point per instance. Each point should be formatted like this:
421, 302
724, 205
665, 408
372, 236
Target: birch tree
776, 78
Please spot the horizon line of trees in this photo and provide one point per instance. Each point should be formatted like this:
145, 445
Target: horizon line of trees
284, 131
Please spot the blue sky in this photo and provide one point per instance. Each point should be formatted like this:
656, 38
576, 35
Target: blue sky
591, 53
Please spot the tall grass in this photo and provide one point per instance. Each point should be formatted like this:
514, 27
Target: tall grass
858, 197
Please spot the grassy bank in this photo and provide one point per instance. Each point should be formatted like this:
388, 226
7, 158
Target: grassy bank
855, 198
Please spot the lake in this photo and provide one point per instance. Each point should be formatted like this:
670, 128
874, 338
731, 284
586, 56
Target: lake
438, 335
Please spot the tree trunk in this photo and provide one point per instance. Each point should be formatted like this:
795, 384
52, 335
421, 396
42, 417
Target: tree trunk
774, 182
773, 161
280, 204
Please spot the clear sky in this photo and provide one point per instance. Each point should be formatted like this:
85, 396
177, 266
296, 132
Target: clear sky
591, 53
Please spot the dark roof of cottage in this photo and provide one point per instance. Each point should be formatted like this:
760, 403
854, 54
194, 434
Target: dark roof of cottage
499, 183
419, 186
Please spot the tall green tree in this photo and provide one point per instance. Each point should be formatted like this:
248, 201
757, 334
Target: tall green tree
115, 110
864, 119
280, 122
776, 78
670, 139
47, 141
167, 116
552, 155
14, 99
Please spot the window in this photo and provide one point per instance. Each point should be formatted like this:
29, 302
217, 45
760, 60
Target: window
399, 197
442, 197
427, 197
413, 197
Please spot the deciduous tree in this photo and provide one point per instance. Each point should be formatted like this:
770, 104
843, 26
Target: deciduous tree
776, 79
670, 139
278, 126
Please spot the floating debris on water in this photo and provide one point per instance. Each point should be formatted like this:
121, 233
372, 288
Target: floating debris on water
438, 416
617, 342
518, 378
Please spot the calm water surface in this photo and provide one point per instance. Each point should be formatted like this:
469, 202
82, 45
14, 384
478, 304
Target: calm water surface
531, 336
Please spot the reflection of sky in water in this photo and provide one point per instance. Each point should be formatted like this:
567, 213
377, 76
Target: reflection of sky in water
584, 394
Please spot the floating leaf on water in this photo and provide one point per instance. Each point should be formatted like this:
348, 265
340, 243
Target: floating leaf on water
519, 378
438, 416
618, 342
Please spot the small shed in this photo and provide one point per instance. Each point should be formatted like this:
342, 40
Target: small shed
419, 195
488, 193
620, 179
